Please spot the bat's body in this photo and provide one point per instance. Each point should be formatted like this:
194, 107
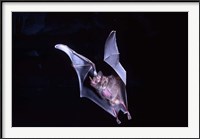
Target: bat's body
108, 88
110, 91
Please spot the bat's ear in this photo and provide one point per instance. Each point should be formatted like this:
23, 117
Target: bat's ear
100, 73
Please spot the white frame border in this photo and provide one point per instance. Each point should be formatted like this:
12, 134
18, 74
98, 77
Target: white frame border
191, 131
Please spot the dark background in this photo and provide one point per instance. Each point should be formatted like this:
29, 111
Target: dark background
153, 50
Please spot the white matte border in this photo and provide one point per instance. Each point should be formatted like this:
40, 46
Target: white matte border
192, 131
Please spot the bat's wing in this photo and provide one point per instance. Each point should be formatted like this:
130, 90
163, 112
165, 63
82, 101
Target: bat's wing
84, 67
111, 56
81, 64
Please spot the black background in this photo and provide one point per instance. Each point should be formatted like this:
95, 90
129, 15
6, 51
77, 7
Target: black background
153, 50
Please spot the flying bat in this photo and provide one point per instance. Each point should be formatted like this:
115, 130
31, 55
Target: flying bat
108, 92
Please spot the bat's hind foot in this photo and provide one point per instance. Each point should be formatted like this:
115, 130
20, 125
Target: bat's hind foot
118, 121
129, 116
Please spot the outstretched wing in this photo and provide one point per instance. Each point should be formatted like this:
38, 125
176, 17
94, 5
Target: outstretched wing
111, 56
81, 64
84, 67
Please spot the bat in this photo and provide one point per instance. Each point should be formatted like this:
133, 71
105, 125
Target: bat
108, 92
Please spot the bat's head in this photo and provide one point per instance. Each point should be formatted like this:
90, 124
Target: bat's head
99, 81
94, 82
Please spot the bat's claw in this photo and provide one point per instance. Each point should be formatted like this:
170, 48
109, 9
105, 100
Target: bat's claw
118, 121
129, 116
